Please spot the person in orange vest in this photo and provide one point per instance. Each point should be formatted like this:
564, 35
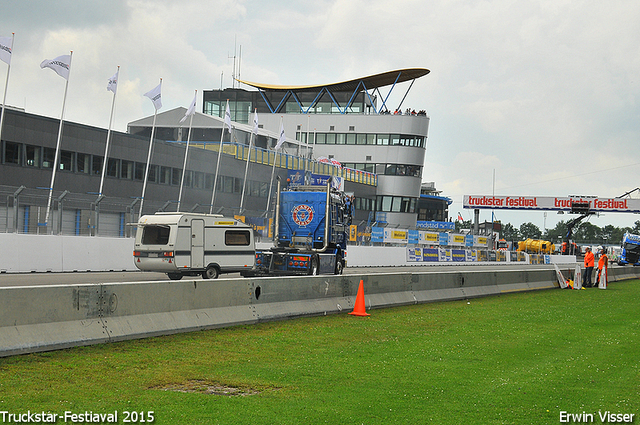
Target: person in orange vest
589, 262
603, 263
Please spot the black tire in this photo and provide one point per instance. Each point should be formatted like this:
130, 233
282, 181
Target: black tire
211, 272
313, 268
174, 276
339, 265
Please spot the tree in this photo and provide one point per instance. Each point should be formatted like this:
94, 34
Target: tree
587, 232
558, 233
509, 233
530, 230
466, 224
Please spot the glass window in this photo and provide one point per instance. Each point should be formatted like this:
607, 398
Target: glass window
165, 175
126, 170
397, 204
112, 167
385, 202
12, 153
188, 178
32, 156
254, 188
340, 138
176, 176
395, 139
155, 235
331, 138
208, 181
371, 139
237, 237
390, 170
66, 161
383, 139
198, 180
227, 184
96, 164
153, 173
321, 138
351, 139
139, 171
83, 164
361, 139
48, 157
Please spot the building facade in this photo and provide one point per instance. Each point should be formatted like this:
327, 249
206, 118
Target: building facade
348, 122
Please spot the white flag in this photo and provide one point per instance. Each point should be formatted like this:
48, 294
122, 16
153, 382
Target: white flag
191, 110
227, 118
5, 49
281, 138
61, 65
156, 96
112, 85
255, 122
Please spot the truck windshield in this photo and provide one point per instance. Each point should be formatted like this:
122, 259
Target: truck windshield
155, 235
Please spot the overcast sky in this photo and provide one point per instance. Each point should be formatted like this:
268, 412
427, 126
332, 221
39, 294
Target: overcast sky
544, 93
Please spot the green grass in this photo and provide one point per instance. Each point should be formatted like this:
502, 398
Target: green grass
513, 359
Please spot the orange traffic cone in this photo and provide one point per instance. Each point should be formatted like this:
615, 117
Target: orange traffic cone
359, 309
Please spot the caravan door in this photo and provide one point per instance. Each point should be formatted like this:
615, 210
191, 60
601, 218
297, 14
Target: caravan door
197, 244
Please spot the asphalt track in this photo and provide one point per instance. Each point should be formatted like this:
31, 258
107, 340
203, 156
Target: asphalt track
75, 278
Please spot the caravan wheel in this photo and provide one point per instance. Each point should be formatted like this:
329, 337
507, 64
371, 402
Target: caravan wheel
212, 272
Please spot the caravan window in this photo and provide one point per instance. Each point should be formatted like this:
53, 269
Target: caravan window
155, 235
237, 237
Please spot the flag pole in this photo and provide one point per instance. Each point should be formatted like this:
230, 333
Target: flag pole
186, 153
106, 149
146, 170
215, 180
275, 158
6, 84
246, 167
55, 160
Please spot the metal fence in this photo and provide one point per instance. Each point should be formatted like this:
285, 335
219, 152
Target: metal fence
23, 210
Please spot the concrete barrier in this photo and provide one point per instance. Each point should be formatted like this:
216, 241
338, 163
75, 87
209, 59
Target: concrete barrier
55, 253
41, 318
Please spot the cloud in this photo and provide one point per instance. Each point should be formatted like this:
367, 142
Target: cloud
544, 92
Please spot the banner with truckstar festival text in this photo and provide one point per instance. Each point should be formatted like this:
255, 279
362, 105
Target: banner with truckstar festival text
548, 203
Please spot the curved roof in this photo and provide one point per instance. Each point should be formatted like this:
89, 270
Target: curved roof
370, 82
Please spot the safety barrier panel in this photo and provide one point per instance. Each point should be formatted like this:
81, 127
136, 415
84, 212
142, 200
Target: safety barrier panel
41, 318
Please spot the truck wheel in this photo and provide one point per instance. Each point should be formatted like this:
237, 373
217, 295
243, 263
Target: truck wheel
174, 276
211, 273
339, 265
313, 270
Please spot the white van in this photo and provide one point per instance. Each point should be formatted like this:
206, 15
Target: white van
189, 244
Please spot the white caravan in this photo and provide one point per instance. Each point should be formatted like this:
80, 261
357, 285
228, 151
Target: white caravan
189, 244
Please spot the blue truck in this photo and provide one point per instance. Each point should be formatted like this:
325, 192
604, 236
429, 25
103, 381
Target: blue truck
630, 252
311, 230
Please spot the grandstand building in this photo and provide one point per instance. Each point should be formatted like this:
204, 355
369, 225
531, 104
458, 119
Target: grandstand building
381, 155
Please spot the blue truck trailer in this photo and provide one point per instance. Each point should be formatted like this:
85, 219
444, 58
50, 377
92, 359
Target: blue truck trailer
311, 229
630, 252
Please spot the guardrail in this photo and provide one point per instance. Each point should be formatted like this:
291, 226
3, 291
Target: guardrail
43, 318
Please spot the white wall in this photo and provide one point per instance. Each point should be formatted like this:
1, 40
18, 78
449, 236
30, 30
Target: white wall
49, 253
